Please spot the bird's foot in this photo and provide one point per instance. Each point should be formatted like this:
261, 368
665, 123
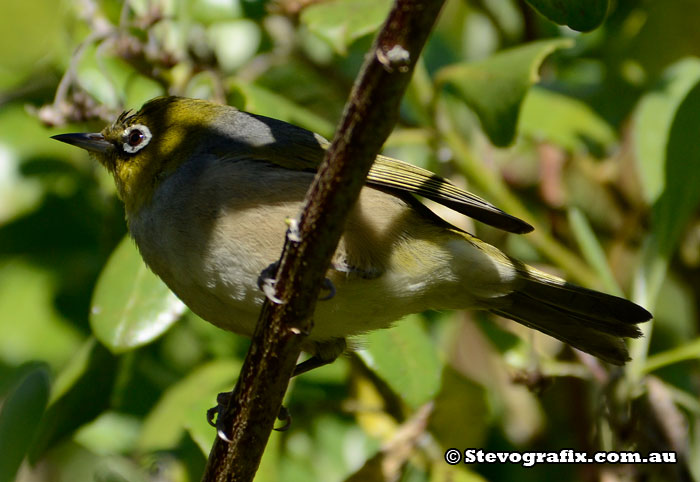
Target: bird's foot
284, 416
327, 285
222, 400
267, 281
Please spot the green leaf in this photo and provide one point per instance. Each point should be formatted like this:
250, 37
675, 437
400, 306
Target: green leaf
689, 351
460, 417
666, 134
75, 369
592, 250
341, 22
110, 433
131, 306
167, 422
81, 392
70, 461
564, 121
681, 195
33, 36
211, 11
405, 358
442, 472
20, 420
11, 376
114, 82
234, 42
653, 121
265, 102
581, 15
676, 309
307, 87
328, 447
494, 88
32, 328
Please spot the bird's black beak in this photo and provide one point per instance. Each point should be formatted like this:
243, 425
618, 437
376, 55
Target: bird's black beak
94, 142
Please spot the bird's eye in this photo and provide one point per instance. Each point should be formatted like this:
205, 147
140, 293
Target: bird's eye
136, 137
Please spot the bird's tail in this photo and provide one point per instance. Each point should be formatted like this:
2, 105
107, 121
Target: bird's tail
591, 321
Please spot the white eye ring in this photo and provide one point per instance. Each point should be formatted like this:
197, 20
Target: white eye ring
136, 137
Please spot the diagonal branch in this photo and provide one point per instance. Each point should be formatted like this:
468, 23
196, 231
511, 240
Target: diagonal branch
368, 119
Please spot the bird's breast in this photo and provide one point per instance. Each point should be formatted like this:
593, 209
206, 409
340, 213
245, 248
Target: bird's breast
210, 230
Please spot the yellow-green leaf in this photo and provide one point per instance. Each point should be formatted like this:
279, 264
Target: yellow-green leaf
20, 419
168, 421
406, 359
131, 306
653, 120
681, 196
564, 121
494, 88
581, 15
262, 101
460, 417
341, 22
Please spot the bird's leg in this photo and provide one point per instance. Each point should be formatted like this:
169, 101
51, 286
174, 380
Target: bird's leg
310, 364
267, 281
266, 284
222, 400
328, 286
325, 353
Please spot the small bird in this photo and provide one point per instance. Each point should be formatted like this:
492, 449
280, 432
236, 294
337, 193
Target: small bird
207, 189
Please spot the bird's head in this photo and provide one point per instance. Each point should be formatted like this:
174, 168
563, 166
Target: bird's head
140, 149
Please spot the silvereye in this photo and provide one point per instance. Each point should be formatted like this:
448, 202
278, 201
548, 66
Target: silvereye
207, 189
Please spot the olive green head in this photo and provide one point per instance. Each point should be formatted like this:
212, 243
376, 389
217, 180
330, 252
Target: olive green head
142, 148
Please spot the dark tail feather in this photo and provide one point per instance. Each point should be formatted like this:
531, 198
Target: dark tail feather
591, 321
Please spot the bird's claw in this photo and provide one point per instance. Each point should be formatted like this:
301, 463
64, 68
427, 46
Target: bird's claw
293, 233
284, 416
328, 286
211, 413
267, 281
221, 402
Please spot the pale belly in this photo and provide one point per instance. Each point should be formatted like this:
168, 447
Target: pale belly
209, 243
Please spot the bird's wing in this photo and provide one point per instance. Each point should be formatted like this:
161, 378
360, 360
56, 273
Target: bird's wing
296, 148
399, 175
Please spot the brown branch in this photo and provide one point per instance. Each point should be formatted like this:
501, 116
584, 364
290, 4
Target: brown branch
368, 120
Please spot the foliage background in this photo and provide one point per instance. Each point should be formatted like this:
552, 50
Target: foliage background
604, 161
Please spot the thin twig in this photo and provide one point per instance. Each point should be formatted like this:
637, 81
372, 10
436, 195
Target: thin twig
367, 121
